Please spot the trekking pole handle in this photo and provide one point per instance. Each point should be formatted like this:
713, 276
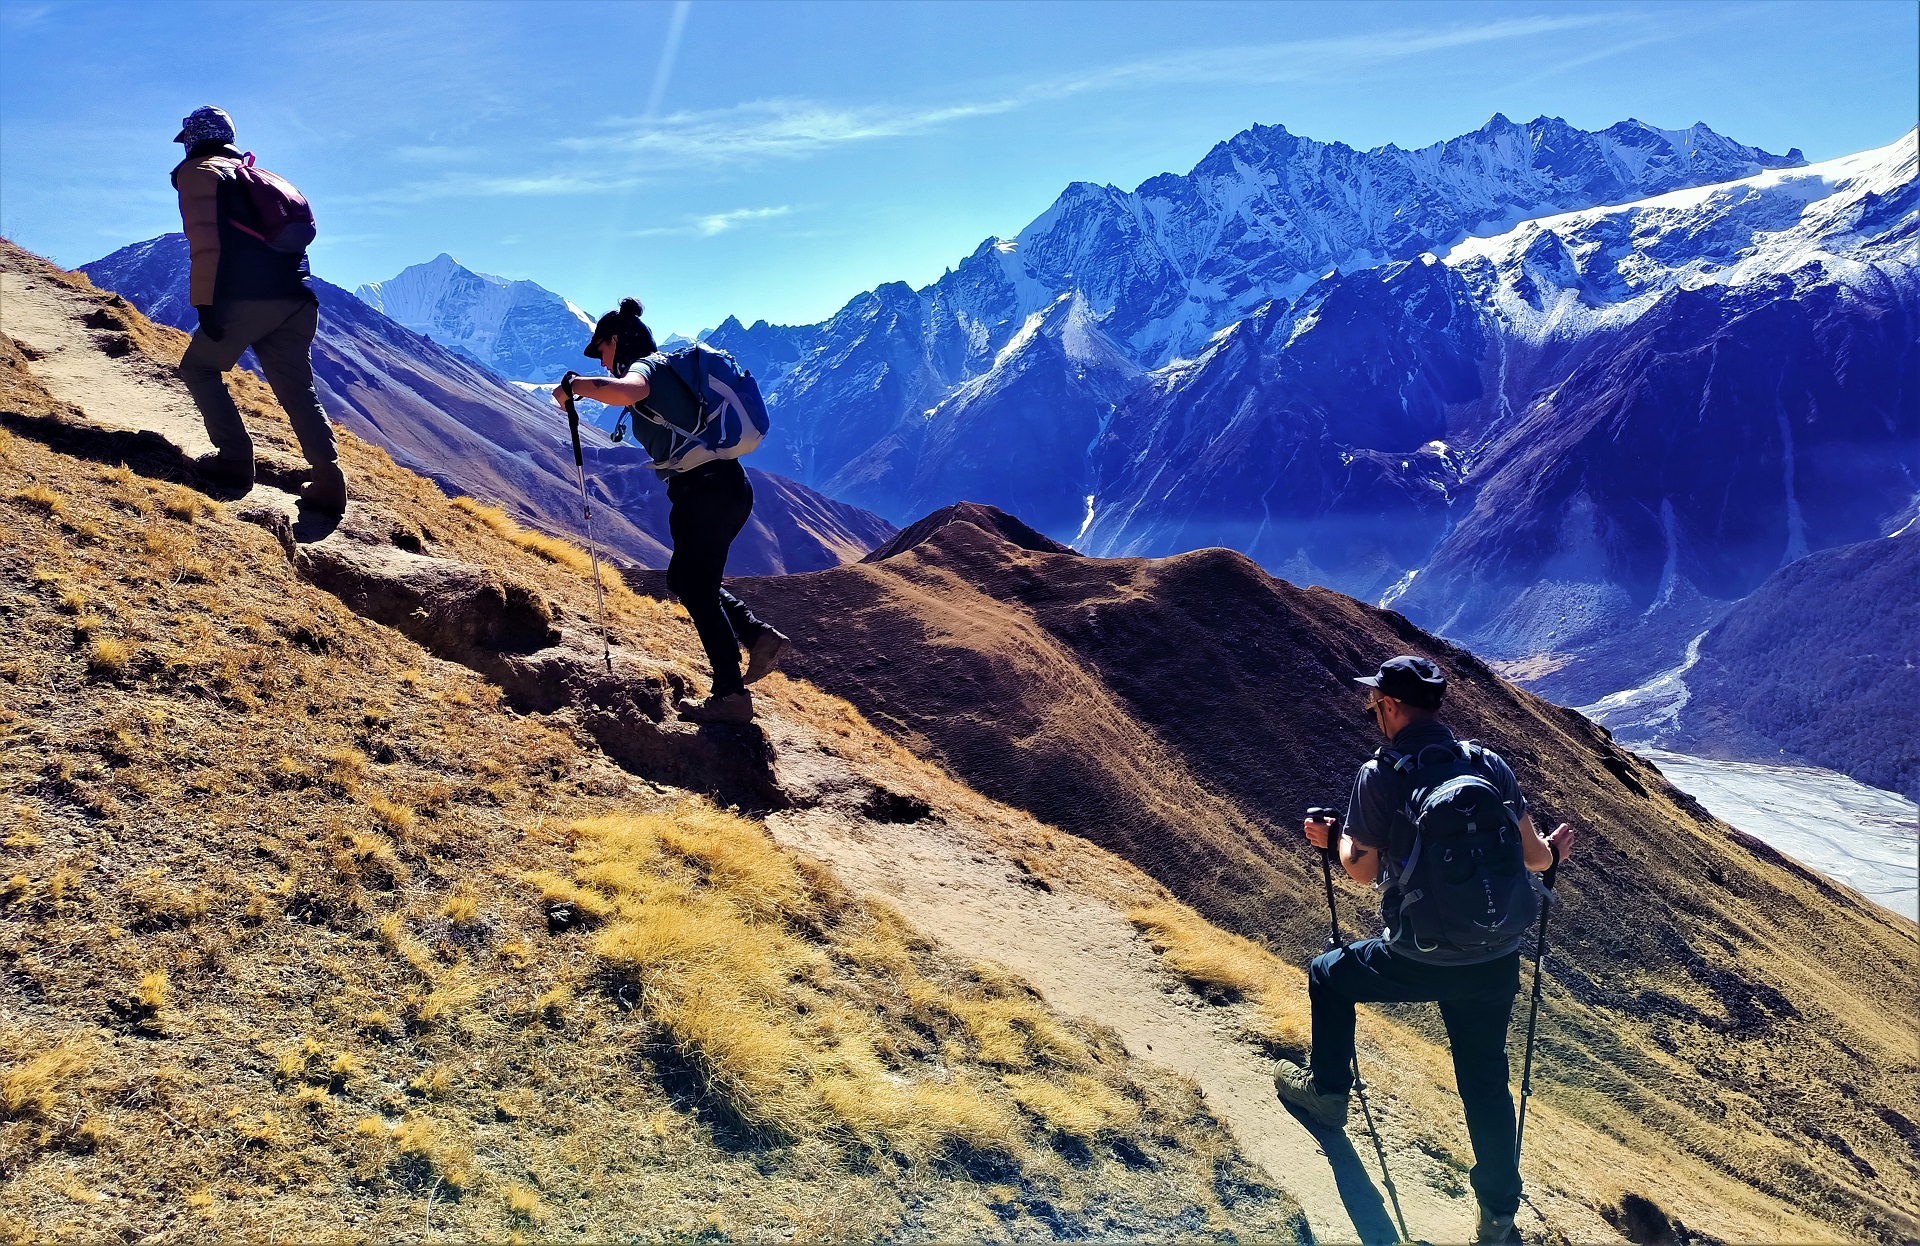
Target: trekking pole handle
573, 417
1327, 818
1553, 871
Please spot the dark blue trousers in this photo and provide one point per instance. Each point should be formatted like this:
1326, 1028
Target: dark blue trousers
1476, 1001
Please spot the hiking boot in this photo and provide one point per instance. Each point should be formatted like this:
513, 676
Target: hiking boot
735, 707
225, 471
1495, 1228
327, 491
1296, 1088
765, 654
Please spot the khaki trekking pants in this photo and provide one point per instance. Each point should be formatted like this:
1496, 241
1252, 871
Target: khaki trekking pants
281, 334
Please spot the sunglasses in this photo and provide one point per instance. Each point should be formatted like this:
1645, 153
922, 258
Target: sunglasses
1373, 705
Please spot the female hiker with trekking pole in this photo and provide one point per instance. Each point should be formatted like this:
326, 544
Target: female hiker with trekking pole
695, 413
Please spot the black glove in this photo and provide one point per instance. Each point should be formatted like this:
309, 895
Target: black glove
209, 323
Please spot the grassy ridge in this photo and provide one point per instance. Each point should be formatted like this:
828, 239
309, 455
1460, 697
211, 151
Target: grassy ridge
303, 932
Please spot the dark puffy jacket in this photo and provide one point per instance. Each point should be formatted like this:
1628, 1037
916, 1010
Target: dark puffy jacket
227, 263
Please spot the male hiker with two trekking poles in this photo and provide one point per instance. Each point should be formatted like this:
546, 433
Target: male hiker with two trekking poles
1447, 821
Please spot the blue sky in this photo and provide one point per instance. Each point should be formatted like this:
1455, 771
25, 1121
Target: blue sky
775, 159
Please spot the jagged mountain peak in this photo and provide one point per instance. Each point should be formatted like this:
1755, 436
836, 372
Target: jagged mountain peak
518, 328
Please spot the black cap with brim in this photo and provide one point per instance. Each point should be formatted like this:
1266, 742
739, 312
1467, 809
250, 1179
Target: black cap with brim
603, 329
1416, 681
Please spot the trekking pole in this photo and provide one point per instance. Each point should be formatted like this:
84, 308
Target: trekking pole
1332, 822
586, 516
1533, 1009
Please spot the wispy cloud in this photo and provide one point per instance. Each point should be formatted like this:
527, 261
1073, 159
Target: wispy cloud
634, 150
24, 16
793, 128
713, 223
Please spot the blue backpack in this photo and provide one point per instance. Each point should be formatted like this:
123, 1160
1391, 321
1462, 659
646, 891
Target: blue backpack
730, 417
1463, 883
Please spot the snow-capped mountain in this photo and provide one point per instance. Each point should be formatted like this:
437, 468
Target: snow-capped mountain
472, 432
1565, 276
519, 329
1730, 382
1160, 269
1268, 212
1577, 442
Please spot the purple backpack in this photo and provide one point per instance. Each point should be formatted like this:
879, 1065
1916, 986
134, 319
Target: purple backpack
281, 217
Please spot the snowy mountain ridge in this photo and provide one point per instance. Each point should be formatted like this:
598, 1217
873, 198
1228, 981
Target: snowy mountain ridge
1161, 269
1854, 218
519, 329
1267, 212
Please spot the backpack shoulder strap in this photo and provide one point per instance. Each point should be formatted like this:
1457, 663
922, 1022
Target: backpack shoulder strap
1393, 761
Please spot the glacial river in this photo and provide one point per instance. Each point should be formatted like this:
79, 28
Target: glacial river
1858, 835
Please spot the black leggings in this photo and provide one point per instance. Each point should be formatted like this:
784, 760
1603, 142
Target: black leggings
710, 504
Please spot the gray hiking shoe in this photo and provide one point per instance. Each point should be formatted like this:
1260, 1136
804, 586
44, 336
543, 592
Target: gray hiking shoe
327, 491
1495, 1228
765, 655
1296, 1088
734, 708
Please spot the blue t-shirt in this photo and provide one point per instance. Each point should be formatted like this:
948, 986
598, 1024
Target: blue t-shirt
1376, 819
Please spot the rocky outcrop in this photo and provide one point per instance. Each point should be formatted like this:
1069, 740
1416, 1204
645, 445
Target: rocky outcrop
472, 615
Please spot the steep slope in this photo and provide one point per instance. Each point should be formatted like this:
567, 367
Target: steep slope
1744, 359
1015, 436
1812, 666
518, 329
464, 427
1728, 432
1182, 712
1317, 438
345, 893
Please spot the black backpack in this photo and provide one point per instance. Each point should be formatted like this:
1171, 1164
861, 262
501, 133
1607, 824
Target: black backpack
1463, 879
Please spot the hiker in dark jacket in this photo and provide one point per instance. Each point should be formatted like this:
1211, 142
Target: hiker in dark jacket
246, 294
1475, 989
710, 504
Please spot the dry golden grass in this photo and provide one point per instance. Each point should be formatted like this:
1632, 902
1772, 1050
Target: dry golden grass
766, 979
1228, 966
33, 1087
42, 499
317, 1006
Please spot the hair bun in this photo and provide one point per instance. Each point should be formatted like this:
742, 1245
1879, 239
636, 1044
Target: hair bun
631, 307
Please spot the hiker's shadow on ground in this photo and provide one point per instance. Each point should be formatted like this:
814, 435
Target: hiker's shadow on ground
310, 526
1358, 1194
146, 453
